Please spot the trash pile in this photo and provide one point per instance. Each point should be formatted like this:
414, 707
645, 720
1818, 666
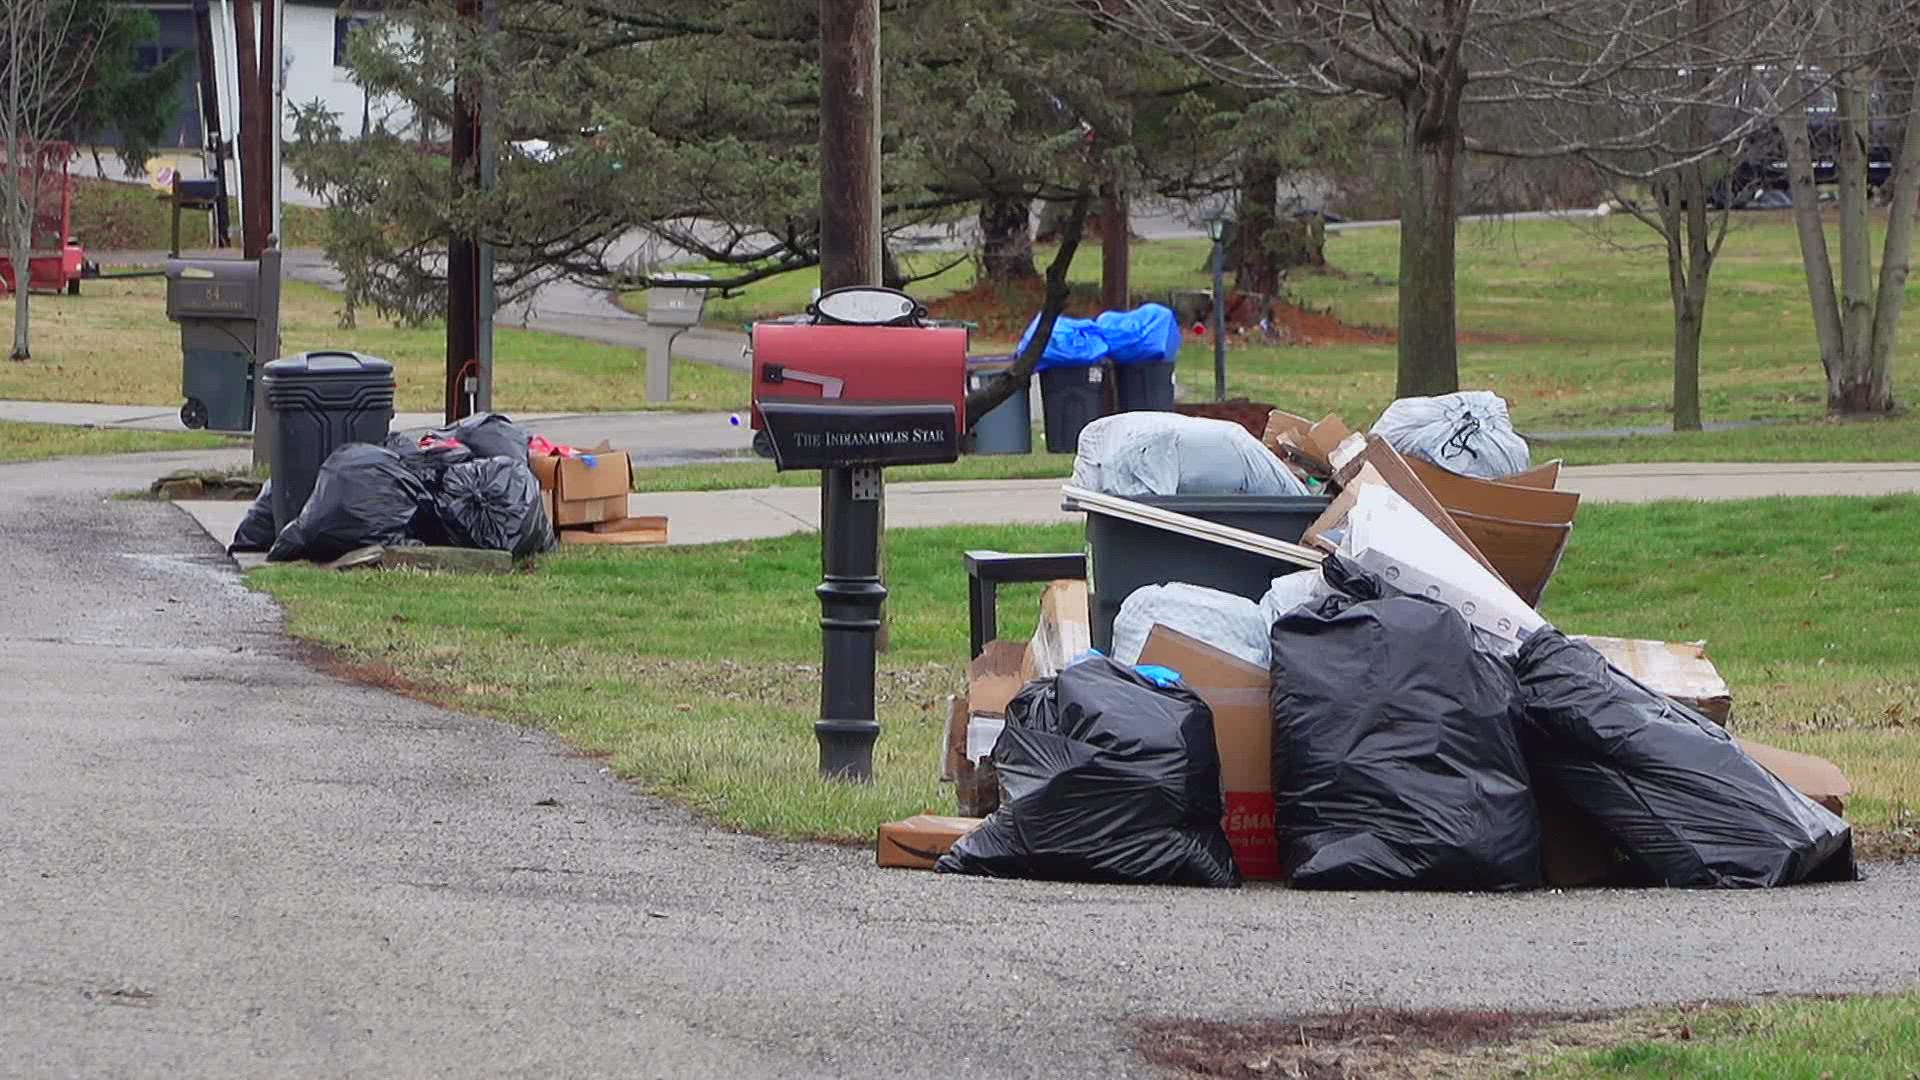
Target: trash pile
1350, 690
483, 483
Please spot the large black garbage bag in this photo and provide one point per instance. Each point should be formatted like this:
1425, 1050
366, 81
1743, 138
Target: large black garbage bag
256, 529
1671, 787
488, 435
363, 495
1105, 777
429, 464
494, 503
1396, 758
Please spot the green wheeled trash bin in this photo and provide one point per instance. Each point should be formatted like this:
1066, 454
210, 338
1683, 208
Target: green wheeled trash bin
318, 402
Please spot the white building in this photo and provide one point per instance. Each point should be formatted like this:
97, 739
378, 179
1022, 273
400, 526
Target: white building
313, 64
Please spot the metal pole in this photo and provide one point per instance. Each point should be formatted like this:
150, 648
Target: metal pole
850, 598
463, 284
1219, 321
485, 302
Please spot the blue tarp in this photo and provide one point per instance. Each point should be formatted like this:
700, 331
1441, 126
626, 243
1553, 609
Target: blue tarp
1146, 335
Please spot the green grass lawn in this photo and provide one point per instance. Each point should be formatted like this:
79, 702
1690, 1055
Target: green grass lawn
1864, 1037
114, 345
37, 442
1570, 321
693, 668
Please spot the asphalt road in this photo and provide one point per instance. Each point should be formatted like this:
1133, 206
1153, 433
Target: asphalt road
221, 862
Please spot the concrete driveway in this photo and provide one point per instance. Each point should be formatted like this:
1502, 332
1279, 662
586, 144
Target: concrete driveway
222, 861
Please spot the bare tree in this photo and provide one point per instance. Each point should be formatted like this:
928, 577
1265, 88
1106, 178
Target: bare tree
1856, 326
47, 49
1511, 77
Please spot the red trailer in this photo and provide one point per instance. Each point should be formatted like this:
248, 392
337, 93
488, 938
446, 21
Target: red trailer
55, 260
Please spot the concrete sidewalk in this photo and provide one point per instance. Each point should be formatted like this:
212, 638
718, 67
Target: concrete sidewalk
652, 438
707, 517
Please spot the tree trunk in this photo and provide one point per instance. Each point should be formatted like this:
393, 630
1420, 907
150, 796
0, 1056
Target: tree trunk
1006, 238
1257, 264
1815, 260
1852, 390
1430, 147
20, 349
21, 192
1016, 378
1686, 290
1896, 257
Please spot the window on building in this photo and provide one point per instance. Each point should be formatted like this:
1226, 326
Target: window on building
343, 28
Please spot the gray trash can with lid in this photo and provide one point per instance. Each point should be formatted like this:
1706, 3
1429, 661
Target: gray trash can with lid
318, 402
1008, 427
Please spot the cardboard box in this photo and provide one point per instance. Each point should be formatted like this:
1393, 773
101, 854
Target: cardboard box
1065, 631
993, 678
1815, 777
626, 530
592, 487
1309, 444
919, 841
1238, 694
1680, 670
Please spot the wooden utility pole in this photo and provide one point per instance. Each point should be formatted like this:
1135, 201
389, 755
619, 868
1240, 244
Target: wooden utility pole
849, 143
1115, 236
463, 250
253, 238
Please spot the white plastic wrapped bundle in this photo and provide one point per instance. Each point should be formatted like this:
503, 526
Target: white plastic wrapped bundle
1156, 453
1291, 591
1469, 433
1232, 624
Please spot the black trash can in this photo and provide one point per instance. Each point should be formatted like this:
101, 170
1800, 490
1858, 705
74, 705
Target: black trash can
1123, 555
1008, 427
1143, 387
318, 402
1071, 398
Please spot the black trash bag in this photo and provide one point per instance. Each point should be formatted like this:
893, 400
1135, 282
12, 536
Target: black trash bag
363, 495
428, 464
1670, 786
1104, 777
488, 435
494, 503
256, 529
1396, 756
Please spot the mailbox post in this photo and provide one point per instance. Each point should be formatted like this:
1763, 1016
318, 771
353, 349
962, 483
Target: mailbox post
862, 386
672, 309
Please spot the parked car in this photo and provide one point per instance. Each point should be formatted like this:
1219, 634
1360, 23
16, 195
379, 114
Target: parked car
1759, 165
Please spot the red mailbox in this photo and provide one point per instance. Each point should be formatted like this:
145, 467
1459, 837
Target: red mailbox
859, 386
850, 390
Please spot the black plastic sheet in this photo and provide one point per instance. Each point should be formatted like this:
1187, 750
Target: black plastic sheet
1670, 786
1105, 777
